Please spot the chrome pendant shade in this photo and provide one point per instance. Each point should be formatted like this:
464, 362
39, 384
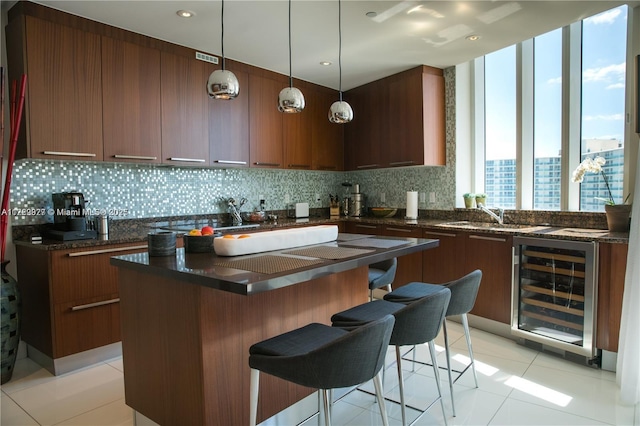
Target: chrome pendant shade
340, 111
223, 84
290, 99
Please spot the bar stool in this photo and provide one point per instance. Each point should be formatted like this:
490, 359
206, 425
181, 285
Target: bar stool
382, 274
463, 296
323, 357
416, 323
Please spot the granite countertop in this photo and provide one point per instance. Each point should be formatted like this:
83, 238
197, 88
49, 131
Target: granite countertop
266, 271
136, 230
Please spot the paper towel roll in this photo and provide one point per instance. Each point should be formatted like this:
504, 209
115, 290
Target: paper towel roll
412, 204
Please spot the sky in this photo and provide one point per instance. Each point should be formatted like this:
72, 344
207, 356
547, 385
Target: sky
603, 71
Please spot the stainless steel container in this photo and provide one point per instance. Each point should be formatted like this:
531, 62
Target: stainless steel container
102, 224
357, 205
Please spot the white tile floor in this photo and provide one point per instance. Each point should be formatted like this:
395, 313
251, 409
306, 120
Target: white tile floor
518, 386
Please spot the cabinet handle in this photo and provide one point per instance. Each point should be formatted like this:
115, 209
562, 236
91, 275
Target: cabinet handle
111, 250
367, 166
257, 163
366, 226
134, 157
93, 305
188, 160
229, 162
399, 229
402, 163
327, 167
300, 166
70, 154
440, 234
478, 237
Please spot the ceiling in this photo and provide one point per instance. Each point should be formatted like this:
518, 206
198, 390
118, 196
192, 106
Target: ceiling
403, 34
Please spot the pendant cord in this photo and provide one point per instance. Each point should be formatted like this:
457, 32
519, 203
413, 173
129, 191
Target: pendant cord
340, 47
290, 69
222, 36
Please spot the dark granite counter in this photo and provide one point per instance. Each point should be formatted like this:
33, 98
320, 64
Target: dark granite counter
207, 269
521, 224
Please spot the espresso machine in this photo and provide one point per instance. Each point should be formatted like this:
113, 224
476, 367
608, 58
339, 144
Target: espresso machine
69, 217
357, 199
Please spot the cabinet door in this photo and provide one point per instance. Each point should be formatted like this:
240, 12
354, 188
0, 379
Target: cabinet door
265, 122
64, 105
185, 110
409, 265
326, 137
361, 228
296, 129
493, 255
131, 102
611, 274
365, 136
229, 127
445, 262
433, 118
405, 101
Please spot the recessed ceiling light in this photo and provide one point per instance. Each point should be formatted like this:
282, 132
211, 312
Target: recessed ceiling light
185, 13
371, 14
325, 63
473, 37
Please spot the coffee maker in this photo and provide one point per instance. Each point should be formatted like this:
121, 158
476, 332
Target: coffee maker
69, 217
357, 202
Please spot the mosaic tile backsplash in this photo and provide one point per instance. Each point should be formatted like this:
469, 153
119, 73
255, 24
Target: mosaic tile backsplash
131, 191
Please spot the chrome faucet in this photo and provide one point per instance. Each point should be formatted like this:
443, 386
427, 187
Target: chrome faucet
498, 217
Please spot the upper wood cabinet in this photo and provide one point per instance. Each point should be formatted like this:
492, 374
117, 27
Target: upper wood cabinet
265, 122
327, 142
398, 121
63, 106
297, 133
185, 110
131, 102
229, 127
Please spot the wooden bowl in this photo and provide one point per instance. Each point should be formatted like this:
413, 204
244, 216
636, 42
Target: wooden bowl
198, 243
383, 211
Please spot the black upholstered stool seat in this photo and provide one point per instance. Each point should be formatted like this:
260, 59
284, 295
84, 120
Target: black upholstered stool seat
416, 323
464, 291
323, 357
382, 274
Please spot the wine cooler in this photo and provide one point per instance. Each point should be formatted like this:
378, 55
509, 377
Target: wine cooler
554, 293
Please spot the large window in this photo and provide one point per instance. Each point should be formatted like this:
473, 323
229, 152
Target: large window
595, 107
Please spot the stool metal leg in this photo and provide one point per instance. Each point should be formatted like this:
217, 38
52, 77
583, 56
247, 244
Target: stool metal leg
434, 361
253, 398
377, 383
327, 407
448, 353
467, 335
401, 385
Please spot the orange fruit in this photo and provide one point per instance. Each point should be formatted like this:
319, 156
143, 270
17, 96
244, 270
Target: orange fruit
195, 232
229, 236
244, 236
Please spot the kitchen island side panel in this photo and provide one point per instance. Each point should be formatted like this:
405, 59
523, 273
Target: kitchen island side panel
186, 347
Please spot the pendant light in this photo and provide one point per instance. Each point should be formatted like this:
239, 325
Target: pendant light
340, 111
223, 84
290, 99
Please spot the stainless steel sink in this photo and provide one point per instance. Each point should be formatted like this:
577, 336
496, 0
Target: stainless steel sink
486, 225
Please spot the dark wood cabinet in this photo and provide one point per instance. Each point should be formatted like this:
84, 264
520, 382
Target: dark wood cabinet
63, 106
229, 127
265, 122
70, 297
410, 265
296, 129
611, 276
398, 121
326, 138
493, 255
416, 100
131, 102
446, 262
185, 110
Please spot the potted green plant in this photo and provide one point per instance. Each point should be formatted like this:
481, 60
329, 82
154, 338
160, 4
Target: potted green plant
481, 199
469, 199
618, 215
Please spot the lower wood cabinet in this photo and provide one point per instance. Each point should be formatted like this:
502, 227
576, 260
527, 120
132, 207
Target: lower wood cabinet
70, 297
493, 255
445, 262
611, 274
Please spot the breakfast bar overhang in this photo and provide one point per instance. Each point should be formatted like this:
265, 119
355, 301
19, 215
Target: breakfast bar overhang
188, 321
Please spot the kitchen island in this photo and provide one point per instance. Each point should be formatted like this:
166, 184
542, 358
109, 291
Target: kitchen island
188, 321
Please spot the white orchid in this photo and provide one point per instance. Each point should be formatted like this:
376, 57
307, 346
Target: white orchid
593, 166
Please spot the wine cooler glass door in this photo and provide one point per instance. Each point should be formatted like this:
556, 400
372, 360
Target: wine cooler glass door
553, 293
